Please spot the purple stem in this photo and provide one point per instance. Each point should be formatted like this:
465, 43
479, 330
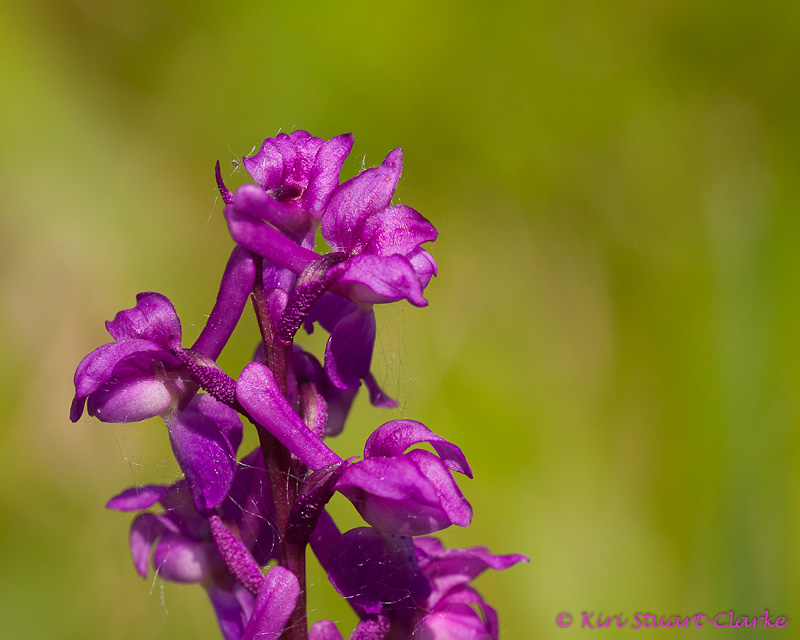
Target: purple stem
278, 461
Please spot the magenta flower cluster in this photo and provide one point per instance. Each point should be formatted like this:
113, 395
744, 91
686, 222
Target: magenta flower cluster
241, 527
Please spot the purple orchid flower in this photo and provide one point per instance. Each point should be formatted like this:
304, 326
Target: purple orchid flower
300, 168
295, 176
377, 244
141, 375
385, 263
204, 437
453, 609
419, 589
382, 241
184, 544
407, 493
377, 573
136, 377
399, 493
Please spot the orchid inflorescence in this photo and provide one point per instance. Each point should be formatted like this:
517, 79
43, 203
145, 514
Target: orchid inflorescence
227, 519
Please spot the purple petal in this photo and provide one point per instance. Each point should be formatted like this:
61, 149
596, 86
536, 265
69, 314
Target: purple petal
284, 144
130, 400
395, 436
456, 618
145, 530
99, 366
264, 240
274, 605
203, 436
451, 568
394, 496
258, 393
181, 559
397, 229
276, 279
349, 350
377, 572
358, 198
304, 151
324, 630
473, 561
376, 279
267, 166
225, 418
324, 174
451, 499
249, 505
287, 164
329, 310
234, 292
424, 265
377, 396
180, 515
429, 549
323, 539
284, 215
230, 616
137, 498
339, 403
153, 318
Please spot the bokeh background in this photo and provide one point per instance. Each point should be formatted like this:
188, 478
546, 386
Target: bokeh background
613, 337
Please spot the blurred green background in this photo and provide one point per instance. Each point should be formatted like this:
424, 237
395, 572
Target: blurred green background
613, 337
